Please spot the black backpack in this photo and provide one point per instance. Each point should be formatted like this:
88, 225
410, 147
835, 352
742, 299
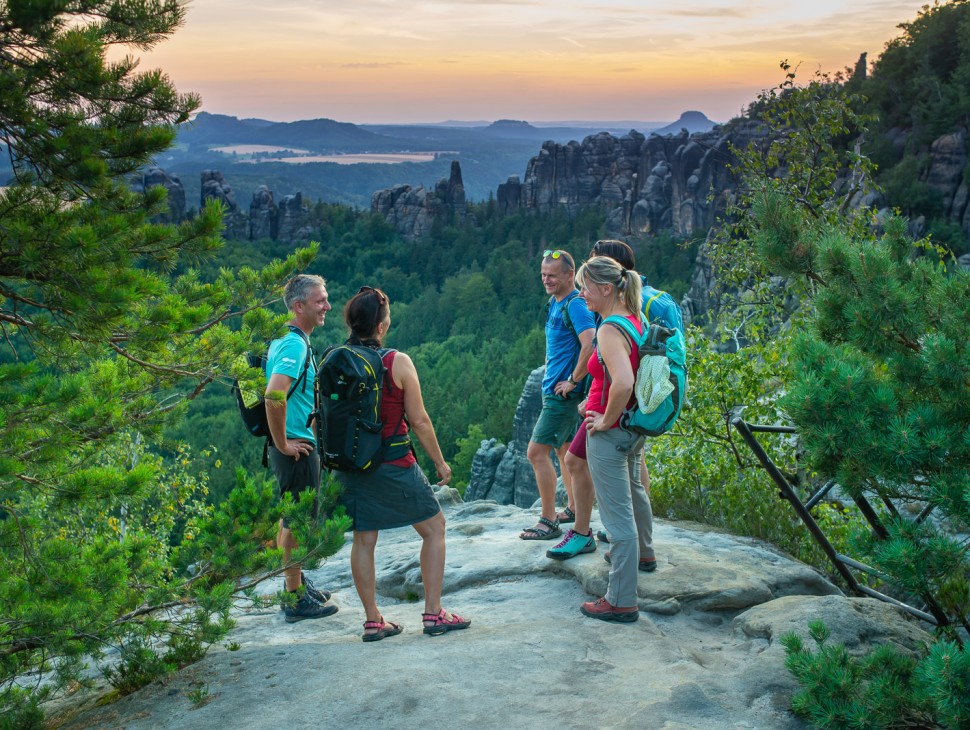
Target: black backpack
252, 407
350, 383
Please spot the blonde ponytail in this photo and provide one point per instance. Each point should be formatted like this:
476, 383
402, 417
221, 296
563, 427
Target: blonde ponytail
604, 270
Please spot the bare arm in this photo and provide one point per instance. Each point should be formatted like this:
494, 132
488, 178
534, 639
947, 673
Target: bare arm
616, 355
406, 377
275, 400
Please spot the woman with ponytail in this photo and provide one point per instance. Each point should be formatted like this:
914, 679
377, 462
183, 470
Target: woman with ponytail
613, 453
396, 493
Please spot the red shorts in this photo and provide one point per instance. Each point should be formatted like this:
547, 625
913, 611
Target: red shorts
578, 445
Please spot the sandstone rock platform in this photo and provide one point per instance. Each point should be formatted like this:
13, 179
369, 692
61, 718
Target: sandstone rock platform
704, 654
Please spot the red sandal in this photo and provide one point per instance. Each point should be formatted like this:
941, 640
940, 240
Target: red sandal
384, 629
440, 624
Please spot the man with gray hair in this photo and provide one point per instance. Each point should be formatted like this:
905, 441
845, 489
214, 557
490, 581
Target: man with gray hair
293, 452
569, 343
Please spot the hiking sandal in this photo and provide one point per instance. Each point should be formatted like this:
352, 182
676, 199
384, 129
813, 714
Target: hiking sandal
440, 624
537, 533
565, 517
384, 629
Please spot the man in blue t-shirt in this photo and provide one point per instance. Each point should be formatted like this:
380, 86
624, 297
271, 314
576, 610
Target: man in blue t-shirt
293, 453
569, 344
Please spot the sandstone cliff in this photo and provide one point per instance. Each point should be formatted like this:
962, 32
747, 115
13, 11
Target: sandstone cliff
502, 472
412, 212
948, 173
675, 183
286, 221
157, 177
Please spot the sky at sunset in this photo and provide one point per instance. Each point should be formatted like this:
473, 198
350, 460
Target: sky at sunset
386, 61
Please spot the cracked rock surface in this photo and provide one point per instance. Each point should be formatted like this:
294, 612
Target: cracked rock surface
704, 654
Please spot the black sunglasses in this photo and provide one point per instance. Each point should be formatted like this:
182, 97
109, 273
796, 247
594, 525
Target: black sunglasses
382, 298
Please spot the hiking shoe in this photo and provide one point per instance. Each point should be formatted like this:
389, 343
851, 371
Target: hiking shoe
573, 544
602, 536
307, 607
315, 593
601, 609
645, 566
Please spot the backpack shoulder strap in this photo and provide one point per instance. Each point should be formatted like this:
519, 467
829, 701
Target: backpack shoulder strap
306, 362
565, 311
650, 301
384, 352
626, 329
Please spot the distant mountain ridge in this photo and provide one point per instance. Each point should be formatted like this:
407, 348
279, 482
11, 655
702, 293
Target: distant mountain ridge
321, 135
692, 121
315, 134
490, 152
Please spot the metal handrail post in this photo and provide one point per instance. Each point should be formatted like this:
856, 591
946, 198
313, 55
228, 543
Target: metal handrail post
789, 494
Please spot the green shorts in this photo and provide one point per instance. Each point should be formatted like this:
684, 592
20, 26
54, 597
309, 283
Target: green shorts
557, 422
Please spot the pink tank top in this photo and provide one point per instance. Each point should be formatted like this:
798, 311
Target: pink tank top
599, 391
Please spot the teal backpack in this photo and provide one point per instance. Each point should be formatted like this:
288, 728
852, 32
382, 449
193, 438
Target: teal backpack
660, 308
661, 380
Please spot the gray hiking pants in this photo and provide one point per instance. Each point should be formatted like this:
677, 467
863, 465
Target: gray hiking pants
614, 463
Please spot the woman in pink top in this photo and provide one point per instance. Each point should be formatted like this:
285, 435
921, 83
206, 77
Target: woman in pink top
610, 290
397, 493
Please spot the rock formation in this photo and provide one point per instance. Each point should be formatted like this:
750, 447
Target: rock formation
284, 222
214, 187
502, 472
412, 212
646, 185
705, 653
947, 174
289, 221
262, 214
681, 184
157, 177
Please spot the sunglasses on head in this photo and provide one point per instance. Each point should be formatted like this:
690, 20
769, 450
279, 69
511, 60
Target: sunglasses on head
381, 296
552, 254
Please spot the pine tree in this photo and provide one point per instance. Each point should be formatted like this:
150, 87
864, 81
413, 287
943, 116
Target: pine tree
881, 387
876, 341
108, 333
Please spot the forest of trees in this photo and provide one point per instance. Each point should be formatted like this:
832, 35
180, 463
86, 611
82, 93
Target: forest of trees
467, 306
125, 523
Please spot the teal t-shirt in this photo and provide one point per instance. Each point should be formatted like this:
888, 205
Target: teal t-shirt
286, 357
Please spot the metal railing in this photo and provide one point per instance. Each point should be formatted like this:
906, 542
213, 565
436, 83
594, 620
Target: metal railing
845, 565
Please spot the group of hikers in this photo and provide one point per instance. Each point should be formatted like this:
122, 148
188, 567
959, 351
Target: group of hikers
588, 382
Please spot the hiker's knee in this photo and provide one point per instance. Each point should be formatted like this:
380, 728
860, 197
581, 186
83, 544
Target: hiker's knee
574, 465
537, 452
366, 539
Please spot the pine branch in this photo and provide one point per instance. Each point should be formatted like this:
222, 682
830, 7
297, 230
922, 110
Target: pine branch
151, 366
15, 319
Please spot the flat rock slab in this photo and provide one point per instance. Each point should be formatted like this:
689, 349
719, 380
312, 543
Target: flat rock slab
694, 660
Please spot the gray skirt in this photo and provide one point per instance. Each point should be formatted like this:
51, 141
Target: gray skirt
388, 497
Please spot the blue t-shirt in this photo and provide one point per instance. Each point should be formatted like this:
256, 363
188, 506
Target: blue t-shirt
562, 345
286, 357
